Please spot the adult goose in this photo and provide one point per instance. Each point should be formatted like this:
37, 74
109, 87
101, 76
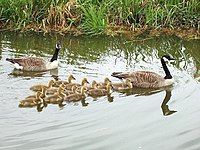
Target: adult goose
147, 79
36, 63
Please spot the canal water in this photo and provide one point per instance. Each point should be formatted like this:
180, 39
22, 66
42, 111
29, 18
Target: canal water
138, 119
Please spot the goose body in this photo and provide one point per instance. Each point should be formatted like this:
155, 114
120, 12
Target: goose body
148, 79
36, 63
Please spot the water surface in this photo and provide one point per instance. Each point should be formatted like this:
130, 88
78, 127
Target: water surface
166, 118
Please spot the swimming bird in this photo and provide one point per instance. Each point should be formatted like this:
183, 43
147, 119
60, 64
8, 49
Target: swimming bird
53, 90
100, 92
103, 85
43, 95
93, 85
39, 87
122, 86
77, 96
55, 98
148, 79
36, 63
69, 80
70, 85
31, 102
72, 91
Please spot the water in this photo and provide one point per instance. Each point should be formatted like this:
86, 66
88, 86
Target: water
167, 118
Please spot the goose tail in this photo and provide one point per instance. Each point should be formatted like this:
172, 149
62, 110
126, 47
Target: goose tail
117, 75
10, 60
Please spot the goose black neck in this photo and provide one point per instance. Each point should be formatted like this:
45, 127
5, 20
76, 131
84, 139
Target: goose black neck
55, 55
167, 73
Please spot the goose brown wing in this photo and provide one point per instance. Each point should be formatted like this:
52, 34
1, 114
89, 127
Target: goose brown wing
31, 61
145, 79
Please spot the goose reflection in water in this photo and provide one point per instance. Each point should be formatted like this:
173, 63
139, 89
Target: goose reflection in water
165, 108
21, 73
147, 92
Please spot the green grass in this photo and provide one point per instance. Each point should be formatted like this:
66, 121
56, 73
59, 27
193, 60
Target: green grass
95, 16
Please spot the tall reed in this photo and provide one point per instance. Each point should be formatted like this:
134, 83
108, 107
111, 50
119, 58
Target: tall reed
95, 16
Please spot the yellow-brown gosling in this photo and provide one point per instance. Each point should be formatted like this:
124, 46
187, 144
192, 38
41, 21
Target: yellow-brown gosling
103, 85
101, 92
93, 85
57, 97
77, 96
39, 87
72, 91
34, 95
69, 80
122, 86
32, 101
70, 85
54, 90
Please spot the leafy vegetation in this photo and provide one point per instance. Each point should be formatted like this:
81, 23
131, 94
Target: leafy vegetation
96, 16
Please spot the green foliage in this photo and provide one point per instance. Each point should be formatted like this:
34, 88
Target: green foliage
94, 16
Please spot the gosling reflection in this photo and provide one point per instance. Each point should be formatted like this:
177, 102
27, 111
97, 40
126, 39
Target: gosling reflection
165, 108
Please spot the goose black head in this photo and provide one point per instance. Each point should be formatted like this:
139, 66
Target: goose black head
58, 45
168, 58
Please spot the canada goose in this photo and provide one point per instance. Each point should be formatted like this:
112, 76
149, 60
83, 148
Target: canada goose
39, 87
70, 85
32, 101
103, 85
57, 97
36, 63
69, 80
122, 86
77, 96
100, 92
147, 79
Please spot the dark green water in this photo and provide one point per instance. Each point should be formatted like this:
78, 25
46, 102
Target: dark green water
140, 119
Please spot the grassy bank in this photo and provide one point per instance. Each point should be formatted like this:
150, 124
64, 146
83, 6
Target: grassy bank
98, 16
